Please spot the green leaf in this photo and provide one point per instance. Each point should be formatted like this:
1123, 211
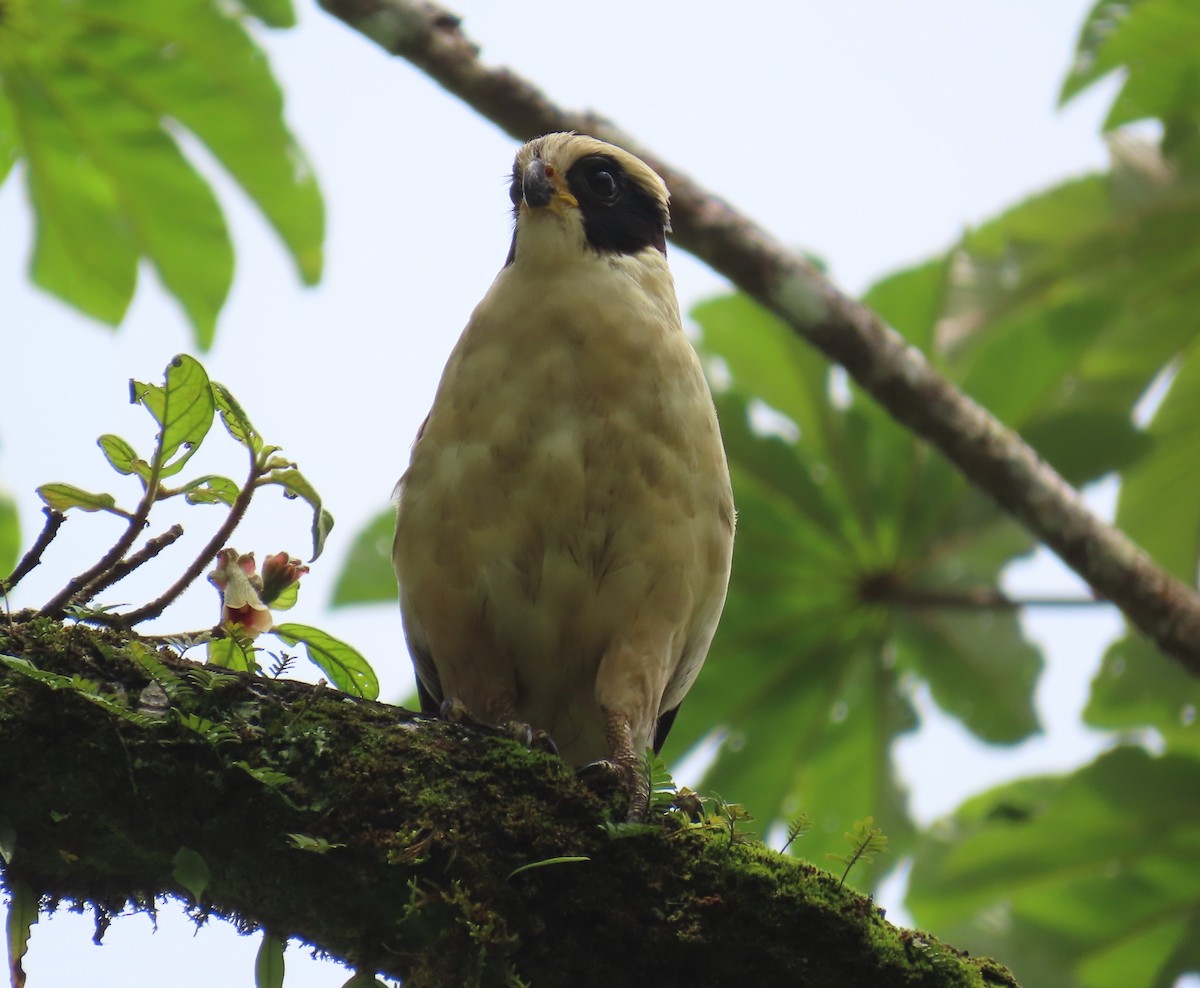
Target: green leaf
287, 598
191, 871
1079, 295
230, 653
1137, 687
363, 979
22, 914
268, 964
766, 359
10, 147
61, 497
842, 533
183, 408
913, 301
10, 534
169, 212
268, 777
214, 733
295, 485
273, 13
85, 688
1093, 875
210, 489
234, 417
979, 667
367, 576
97, 90
84, 252
314, 845
223, 92
344, 666
1159, 503
563, 859
121, 456
865, 842
1156, 42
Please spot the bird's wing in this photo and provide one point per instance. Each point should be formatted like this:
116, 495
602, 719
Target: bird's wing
662, 727
429, 687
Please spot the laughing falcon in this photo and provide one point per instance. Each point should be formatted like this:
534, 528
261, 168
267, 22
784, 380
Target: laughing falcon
565, 527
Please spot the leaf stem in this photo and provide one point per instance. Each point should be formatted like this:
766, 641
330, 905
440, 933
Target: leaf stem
880, 590
214, 545
81, 585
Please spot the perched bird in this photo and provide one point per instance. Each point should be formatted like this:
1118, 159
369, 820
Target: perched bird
565, 527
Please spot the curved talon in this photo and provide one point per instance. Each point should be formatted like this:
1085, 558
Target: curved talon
543, 742
605, 775
602, 771
455, 711
519, 731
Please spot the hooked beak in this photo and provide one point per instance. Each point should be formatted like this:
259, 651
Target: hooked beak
536, 185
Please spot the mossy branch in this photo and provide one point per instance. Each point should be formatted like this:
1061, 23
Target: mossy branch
391, 841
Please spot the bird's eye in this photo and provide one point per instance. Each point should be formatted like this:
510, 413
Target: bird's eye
602, 185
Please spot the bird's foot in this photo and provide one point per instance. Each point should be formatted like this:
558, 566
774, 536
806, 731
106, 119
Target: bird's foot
525, 735
543, 742
456, 712
605, 775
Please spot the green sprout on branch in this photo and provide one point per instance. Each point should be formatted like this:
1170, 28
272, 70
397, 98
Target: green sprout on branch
184, 408
866, 841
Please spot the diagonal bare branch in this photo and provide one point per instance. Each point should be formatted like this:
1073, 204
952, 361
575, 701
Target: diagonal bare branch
988, 453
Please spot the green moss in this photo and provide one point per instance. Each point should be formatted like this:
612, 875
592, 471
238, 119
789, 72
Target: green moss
432, 819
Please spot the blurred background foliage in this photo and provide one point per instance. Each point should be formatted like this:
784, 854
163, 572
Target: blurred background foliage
865, 566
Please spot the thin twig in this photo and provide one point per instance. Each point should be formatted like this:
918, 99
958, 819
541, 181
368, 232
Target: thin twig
54, 521
79, 586
122, 569
991, 455
207, 554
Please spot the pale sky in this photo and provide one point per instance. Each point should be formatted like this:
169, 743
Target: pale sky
868, 132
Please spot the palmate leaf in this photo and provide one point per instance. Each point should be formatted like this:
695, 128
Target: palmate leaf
275, 13
1065, 308
1157, 43
834, 529
367, 576
1137, 689
1159, 503
1087, 880
94, 90
9, 147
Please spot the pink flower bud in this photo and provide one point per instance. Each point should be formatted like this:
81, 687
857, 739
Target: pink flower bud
279, 572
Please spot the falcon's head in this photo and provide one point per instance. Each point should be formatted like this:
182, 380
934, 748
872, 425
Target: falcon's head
575, 192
